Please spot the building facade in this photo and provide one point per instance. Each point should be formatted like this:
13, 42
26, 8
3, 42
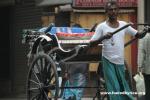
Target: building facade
24, 14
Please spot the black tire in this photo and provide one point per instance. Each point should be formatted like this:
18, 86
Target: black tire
62, 68
42, 80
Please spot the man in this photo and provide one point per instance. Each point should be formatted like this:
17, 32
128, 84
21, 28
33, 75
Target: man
144, 62
113, 52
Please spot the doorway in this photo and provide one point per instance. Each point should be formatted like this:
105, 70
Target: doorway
4, 43
62, 19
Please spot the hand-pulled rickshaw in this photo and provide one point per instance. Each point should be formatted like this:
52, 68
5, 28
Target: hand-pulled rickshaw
47, 57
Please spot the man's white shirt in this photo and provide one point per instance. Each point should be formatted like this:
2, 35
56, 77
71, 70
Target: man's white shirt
113, 48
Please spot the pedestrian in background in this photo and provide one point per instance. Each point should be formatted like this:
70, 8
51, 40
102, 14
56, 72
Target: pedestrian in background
144, 62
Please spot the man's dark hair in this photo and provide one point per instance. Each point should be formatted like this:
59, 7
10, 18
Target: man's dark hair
109, 4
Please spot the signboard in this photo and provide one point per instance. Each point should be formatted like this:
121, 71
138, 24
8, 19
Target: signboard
101, 3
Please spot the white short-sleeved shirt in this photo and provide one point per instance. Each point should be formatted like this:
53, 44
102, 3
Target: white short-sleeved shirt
113, 48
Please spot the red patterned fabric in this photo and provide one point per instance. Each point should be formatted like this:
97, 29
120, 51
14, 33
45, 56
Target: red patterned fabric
74, 36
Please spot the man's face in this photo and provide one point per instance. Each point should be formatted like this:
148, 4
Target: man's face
112, 12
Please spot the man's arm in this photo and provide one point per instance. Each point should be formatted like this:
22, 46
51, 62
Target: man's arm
99, 40
142, 34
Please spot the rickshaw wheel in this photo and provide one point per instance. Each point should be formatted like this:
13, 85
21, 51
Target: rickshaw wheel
42, 80
60, 69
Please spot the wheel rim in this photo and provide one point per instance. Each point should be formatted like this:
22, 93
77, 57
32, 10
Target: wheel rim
42, 83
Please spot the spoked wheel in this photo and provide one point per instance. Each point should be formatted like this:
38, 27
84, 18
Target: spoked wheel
42, 81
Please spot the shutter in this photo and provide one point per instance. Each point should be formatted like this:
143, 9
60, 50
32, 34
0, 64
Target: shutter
26, 16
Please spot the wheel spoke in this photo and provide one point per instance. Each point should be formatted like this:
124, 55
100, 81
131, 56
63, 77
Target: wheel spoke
41, 63
48, 74
35, 75
45, 71
50, 86
33, 89
39, 97
51, 77
47, 67
37, 67
34, 82
46, 95
35, 97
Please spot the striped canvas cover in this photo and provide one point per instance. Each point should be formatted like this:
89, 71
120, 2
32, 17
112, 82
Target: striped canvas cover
71, 33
